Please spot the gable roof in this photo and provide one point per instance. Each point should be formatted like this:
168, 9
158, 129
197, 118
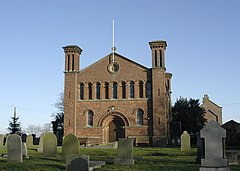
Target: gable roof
120, 56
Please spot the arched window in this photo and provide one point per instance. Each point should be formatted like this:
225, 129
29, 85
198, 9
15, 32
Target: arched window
73, 62
90, 118
141, 89
155, 57
131, 89
114, 90
161, 59
124, 90
81, 91
90, 91
98, 90
139, 117
106, 90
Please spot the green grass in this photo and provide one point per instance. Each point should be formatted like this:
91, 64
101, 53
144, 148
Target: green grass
149, 159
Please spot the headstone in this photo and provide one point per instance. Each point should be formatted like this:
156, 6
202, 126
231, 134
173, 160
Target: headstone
14, 148
125, 152
29, 141
70, 145
40, 146
77, 162
200, 147
24, 137
24, 150
214, 152
1, 140
50, 145
185, 141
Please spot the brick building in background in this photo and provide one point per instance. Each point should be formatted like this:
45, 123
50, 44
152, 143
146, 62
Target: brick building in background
212, 110
118, 98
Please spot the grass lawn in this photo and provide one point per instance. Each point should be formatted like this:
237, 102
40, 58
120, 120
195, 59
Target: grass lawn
149, 159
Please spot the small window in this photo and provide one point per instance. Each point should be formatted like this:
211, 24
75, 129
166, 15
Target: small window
124, 90
98, 90
114, 88
140, 117
90, 118
132, 89
81, 91
90, 91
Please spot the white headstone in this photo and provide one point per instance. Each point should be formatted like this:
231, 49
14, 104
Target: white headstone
185, 141
125, 152
1, 140
50, 145
14, 148
40, 146
29, 141
214, 152
24, 150
70, 145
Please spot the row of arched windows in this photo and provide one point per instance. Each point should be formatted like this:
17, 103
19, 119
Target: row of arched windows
111, 91
139, 117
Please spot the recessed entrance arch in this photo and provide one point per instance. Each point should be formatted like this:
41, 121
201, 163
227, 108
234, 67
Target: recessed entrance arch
113, 126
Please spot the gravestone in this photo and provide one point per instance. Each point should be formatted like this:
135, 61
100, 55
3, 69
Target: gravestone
70, 145
49, 145
200, 147
40, 146
1, 140
214, 152
24, 137
14, 148
77, 162
29, 141
185, 141
24, 150
125, 152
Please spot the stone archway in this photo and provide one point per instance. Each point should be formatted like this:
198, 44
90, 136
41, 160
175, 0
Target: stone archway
113, 126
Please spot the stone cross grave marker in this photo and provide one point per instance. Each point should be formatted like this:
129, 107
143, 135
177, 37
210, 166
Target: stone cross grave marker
214, 153
185, 141
70, 145
14, 148
40, 146
125, 152
50, 145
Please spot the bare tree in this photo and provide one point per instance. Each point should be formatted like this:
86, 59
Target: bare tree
46, 128
34, 129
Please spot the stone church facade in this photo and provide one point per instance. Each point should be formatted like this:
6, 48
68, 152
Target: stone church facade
118, 98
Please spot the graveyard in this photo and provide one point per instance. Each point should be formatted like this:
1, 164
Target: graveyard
145, 159
18, 155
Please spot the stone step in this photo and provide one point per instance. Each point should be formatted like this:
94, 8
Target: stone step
95, 164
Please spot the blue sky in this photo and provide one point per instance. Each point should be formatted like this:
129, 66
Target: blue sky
202, 53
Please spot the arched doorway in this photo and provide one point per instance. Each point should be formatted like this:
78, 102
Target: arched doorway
113, 125
116, 129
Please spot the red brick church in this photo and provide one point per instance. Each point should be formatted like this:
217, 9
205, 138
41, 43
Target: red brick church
116, 97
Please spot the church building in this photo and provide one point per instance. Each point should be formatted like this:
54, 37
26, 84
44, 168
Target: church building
116, 97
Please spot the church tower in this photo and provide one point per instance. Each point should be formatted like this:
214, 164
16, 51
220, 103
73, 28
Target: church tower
159, 106
72, 68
